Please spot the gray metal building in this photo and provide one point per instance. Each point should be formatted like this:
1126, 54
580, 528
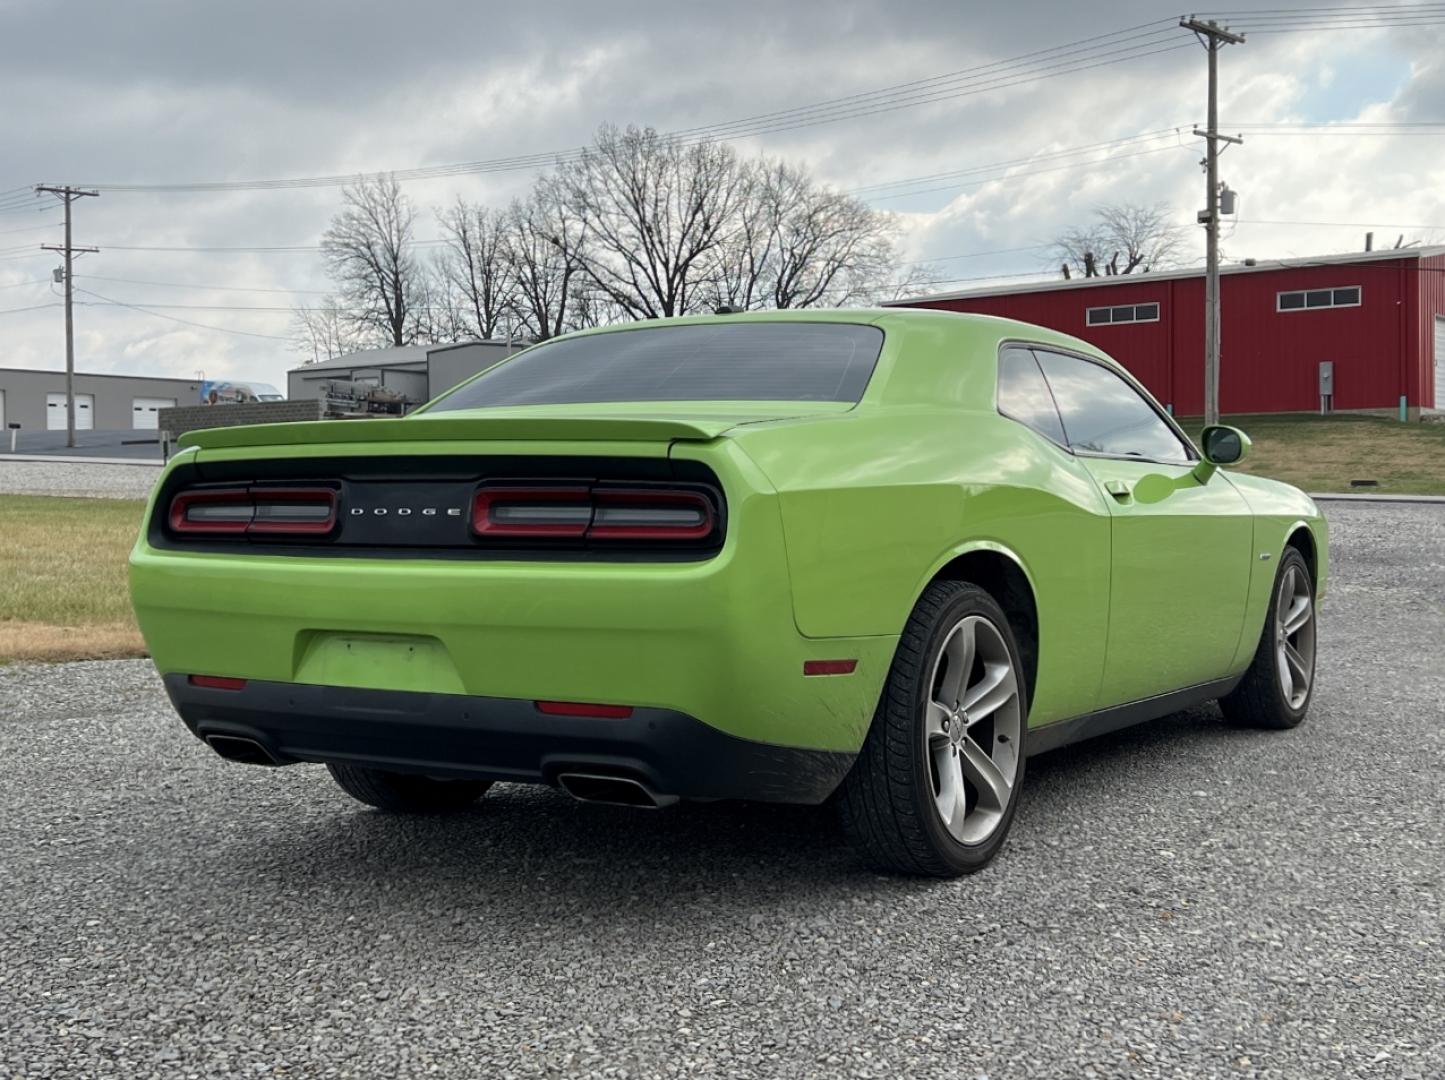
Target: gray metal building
416, 373
35, 399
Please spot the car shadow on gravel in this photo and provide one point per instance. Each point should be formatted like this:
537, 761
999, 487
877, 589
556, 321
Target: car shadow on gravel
527, 841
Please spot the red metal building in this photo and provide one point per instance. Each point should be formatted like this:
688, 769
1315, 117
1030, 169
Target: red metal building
1378, 317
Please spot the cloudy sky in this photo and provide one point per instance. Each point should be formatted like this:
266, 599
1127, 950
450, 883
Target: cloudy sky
977, 151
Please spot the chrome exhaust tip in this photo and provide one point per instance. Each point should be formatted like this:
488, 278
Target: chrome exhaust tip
612, 790
240, 749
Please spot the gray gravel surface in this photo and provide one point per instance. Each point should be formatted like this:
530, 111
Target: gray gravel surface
76, 478
1179, 900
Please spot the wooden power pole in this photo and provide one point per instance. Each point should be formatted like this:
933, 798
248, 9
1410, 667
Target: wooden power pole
68, 195
1214, 37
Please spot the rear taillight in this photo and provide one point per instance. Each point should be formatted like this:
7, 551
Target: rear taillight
596, 513
622, 514
278, 511
520, 511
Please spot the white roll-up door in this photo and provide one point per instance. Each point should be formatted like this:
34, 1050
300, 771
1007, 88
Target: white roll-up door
1440, 361
145, 412
55, 412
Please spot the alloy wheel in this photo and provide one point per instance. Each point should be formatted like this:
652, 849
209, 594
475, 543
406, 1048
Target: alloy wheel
972, 729
1294, 636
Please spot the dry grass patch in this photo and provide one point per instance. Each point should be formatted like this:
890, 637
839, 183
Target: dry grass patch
1324, 453
26, 641
63, 578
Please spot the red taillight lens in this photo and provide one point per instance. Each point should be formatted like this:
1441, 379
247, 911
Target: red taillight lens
599, 513
582, 708
216, 511
274, 511
217, 682
517, 511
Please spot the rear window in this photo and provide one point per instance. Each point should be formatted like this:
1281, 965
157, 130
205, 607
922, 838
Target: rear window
712, 362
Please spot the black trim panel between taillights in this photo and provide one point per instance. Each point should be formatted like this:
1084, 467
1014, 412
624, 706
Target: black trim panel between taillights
574, 509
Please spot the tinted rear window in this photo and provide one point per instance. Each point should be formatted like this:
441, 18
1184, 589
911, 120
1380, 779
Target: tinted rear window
713, 362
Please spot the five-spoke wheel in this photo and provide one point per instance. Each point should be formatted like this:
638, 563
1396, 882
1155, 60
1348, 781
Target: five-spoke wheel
1276, 689
936, 784
971, 729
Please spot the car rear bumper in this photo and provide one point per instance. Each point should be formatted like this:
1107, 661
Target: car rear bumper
466, 736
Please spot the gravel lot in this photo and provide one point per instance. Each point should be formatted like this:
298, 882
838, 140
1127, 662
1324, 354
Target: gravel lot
1179, 900
72, 478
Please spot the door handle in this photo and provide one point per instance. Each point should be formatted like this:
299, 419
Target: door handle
1118, 489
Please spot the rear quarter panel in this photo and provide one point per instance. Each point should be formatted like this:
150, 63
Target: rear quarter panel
875, 503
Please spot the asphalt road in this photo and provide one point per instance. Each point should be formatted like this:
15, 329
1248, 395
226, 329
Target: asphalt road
1179, 900
122, 443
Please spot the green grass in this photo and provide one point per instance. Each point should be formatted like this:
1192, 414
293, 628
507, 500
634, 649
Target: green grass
62, 561
63, 578
1324, 453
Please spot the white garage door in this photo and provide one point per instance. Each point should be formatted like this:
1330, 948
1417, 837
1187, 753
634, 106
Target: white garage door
55, 412
1440, 361
145, 411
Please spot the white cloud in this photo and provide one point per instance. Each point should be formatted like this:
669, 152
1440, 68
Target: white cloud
162, 91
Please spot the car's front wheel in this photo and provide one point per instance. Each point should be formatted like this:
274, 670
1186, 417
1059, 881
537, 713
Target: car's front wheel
936, 784
404, 793
1276, 690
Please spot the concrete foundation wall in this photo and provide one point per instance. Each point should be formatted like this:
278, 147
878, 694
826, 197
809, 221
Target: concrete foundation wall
199, 417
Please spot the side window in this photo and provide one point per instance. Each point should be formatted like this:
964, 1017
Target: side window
1024, 396
1103, 414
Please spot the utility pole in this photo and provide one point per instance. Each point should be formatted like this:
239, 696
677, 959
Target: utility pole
68, 195
1213, 37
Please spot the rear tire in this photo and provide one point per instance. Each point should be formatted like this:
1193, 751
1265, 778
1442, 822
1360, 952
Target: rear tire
404, 793
935, 787
1275, 692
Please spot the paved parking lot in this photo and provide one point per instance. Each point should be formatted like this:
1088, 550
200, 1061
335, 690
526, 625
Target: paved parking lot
1179, 900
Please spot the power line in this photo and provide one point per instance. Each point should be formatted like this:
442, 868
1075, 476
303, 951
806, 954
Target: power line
32, 307
275, 249
1071, 151
1030, 172
979, 254
1079, 56
185, 322
220, 307
1339, 224
31, 228
206, 288
18, 284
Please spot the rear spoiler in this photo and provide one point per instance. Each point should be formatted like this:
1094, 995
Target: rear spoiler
462, 429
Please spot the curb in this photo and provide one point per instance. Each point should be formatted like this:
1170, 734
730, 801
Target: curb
1361, 497
58, 459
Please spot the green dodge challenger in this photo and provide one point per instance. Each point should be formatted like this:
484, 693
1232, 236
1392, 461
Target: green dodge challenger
875, 556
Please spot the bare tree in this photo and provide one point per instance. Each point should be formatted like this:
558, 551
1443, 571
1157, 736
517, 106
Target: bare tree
654, 211
1124, 238
831, 249
477, 273
324, 331
797, 244
368, 252
540, 246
